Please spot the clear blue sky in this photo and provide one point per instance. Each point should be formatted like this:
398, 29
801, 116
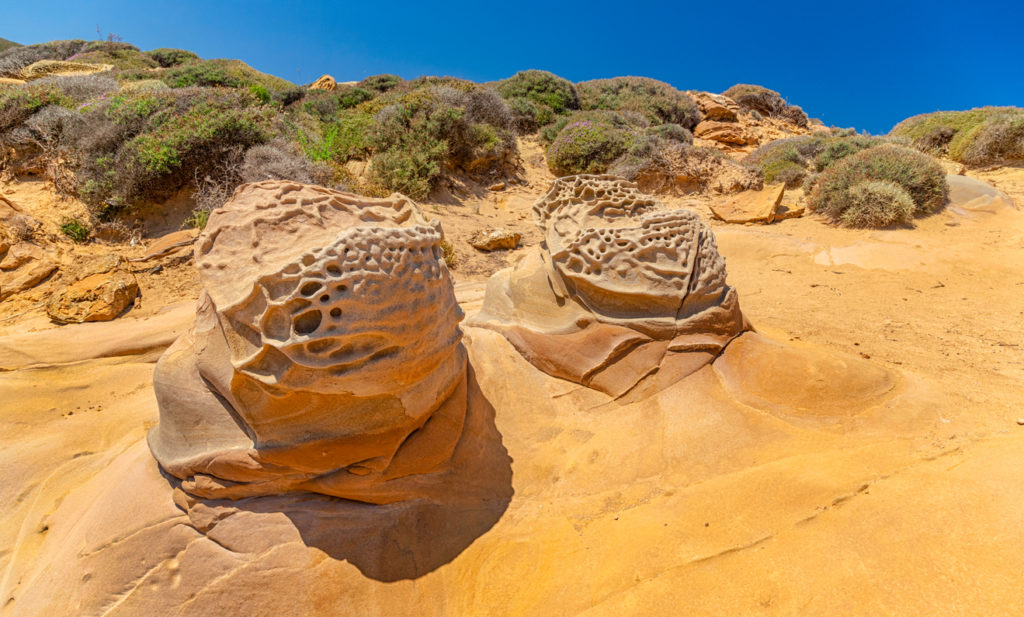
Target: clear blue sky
862, 63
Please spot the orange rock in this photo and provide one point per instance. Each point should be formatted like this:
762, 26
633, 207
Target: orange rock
723, 132
751, 206
100, 291
326, 82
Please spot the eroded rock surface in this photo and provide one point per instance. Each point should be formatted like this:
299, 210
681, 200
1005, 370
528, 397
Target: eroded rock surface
623, 289
325, 82
97, 291
326, 354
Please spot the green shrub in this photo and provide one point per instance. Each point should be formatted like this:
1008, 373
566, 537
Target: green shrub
421, 133
658, 101
168, 58
588, 146
877, 203
536, 97
19, 102
671, 132
766, 102
626, 120
790, 160
346, 138
75, 229
380, 83
326, 104
141, 146
214, 73
980, 136
918, 174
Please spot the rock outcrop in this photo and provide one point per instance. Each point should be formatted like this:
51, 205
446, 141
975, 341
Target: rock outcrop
97, 291
716, 106
23, 266
622, 291
325, 82
724, 132
682, 169
326, 354
45, 68
751, 206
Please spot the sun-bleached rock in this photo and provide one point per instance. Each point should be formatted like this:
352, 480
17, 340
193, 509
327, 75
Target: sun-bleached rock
326, 354
751, 206
623, 289
98, 291
325, 82
495, 239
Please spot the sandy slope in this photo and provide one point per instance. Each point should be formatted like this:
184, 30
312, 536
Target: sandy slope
698, 501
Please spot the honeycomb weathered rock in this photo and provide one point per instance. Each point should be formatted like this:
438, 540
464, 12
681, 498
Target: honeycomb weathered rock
326, 354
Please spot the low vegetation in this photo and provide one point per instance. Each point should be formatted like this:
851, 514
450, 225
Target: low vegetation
871, 187
537, 98
794, 160
659, 102
765, 102
976, 137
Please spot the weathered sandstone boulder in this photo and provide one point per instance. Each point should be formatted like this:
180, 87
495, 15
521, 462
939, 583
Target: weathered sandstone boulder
716, 106
23, 266
495, 239
622, 290
325, 82
724, 132
326, 353
750, 206
98, 291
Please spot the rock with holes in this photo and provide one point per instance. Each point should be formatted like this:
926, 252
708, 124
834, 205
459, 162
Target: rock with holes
326, 354
622, 291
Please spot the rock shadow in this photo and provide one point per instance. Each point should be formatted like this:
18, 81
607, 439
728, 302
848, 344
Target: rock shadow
391, 542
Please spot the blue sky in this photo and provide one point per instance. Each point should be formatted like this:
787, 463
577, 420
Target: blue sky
865, 64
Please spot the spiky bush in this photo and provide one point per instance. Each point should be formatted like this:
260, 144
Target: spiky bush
917, 174
658, 101
211, 73
766, 102
537, 97
671, 132
877, 203
792, 159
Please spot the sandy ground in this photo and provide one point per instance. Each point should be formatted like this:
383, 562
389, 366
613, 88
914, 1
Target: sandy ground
913, 507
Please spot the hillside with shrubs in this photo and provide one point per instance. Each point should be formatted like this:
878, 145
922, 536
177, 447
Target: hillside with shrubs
121, 128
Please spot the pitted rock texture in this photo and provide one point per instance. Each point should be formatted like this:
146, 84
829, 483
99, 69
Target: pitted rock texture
326, 354
622, 289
